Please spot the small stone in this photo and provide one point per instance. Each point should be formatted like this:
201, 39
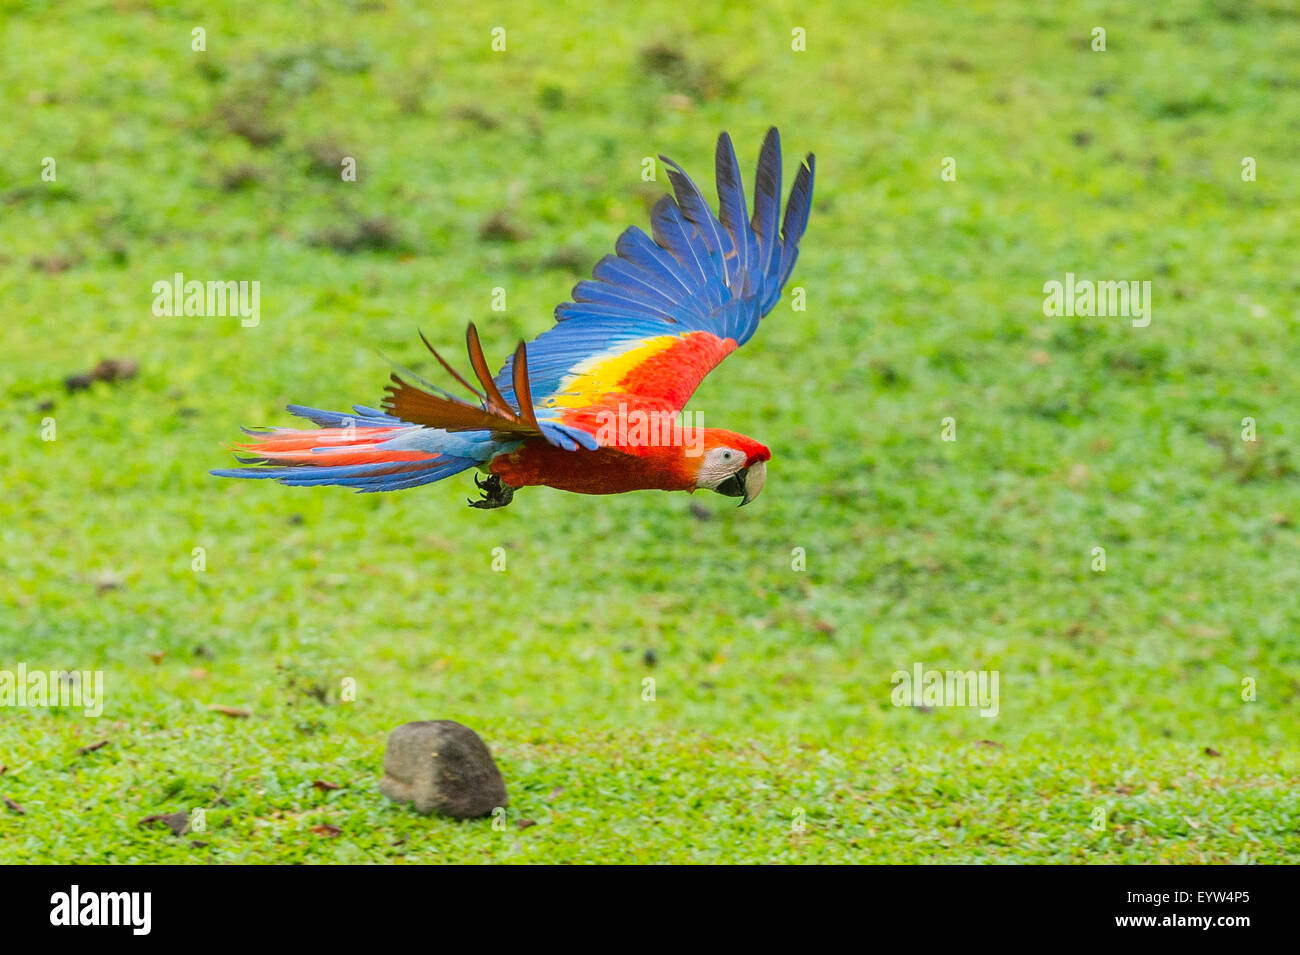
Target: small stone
441, 766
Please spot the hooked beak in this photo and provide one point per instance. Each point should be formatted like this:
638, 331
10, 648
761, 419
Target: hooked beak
746, 483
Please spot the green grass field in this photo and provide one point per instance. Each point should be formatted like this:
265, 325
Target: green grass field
772, 736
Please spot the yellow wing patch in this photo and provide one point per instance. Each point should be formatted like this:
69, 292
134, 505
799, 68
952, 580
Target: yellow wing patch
601, 374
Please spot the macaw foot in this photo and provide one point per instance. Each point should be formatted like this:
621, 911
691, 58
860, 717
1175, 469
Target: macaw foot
496, 492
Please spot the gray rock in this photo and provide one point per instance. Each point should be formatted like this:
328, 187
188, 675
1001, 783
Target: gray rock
441, 766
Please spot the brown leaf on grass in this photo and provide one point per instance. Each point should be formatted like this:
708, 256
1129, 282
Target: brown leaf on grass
476, 116
116, 369
230, 711
177, 822
324, 786
91, 747
248, 116
499, 227
108, 369
107, 581
14, 807
568, 257
157, 656
240, 177
327, 156
679, 102
55, 263
377, 233
525, 823
325, 829
1210, 751
990, 742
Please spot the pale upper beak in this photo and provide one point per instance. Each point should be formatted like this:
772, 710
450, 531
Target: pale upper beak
755, 476
745, 483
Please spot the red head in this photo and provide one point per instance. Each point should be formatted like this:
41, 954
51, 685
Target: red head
729, 463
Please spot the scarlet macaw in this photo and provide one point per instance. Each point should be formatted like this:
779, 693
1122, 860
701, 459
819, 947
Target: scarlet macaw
633, 345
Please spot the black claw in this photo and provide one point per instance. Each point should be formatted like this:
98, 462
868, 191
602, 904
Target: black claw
496, 493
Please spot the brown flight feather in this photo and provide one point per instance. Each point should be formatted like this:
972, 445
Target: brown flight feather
417, 406
452, 371
494, 399
524, 391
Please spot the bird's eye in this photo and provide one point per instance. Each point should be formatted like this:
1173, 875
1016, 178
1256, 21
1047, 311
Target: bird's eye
726, 455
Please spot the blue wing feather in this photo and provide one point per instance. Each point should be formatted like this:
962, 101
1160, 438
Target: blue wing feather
700, 272
697, 211
767, 208
364, 478
732, 208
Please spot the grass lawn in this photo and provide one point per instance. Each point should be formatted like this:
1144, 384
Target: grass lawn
1147, 711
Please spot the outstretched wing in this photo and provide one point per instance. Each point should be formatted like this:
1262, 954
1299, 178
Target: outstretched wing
658, 316
653, 320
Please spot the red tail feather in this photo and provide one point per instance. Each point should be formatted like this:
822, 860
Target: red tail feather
346, 446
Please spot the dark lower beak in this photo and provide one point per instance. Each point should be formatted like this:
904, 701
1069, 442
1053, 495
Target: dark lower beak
745, 483
734, 486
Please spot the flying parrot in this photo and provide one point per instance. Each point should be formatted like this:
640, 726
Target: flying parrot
594, 404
